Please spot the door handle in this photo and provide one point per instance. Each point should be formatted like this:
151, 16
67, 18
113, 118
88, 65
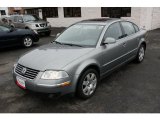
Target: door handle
124, 44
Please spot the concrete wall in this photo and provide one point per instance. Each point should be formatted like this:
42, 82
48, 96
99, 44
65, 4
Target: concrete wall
144, 17
155, 18
86, 13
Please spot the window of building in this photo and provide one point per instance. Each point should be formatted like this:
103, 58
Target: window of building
49, 12
72, 11
3, 12
33, 11
116, 12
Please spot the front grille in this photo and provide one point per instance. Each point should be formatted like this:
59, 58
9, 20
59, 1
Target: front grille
43, 25
29, 73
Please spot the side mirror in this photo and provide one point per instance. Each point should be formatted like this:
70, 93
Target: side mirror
57, 34
109, 40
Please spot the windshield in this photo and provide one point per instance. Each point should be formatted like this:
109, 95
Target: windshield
81, 34
27, 18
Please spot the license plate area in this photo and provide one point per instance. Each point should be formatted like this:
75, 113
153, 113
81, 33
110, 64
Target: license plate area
20, 82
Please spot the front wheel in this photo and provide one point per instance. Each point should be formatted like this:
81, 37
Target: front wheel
87, 84
27, 41
140, 54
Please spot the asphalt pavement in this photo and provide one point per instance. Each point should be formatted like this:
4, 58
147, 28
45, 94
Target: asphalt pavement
134, 88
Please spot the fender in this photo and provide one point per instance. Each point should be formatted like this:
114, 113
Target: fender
86, 64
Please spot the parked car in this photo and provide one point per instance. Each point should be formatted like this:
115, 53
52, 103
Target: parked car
80, 57
32, 22
11, 36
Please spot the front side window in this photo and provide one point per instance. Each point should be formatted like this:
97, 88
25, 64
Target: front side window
80, 34
114, 31
72, 12
28, 18
128, 28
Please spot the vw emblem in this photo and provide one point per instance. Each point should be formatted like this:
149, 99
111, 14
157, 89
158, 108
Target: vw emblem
24, 70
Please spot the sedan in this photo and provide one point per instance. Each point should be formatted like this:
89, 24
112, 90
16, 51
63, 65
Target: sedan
10, 36
80, 57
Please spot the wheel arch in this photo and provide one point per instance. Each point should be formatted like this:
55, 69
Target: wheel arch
94, 66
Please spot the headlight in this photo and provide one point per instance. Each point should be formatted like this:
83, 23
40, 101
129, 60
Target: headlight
54, 74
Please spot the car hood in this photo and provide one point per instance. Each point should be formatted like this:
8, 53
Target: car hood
52, 56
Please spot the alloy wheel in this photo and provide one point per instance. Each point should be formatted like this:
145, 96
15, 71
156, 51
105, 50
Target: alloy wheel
27, 42
89, 84
141, 53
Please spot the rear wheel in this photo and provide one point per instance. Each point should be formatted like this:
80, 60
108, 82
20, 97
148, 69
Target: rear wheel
27, 41
87, 84
140, 54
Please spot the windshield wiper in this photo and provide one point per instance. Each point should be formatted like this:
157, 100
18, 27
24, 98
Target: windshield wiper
72, 44
58, 42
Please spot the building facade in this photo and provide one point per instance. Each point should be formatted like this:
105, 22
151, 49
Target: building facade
145, 17
15, 10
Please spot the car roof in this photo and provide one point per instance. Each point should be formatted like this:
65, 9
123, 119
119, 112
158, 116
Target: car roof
99, 21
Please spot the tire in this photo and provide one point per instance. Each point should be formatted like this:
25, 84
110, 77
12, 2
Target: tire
140, 54
87, 87
27, 41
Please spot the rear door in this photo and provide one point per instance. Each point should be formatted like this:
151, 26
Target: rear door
130, 38
113, 54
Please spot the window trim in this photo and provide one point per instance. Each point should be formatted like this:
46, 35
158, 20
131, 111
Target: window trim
135, 28
124, 35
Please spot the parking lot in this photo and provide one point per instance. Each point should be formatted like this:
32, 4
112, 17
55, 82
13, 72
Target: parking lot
133, 88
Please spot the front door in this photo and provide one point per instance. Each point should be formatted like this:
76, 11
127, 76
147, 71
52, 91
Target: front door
113, 53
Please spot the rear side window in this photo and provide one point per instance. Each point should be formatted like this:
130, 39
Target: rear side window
114, 31
136, 27
128, 28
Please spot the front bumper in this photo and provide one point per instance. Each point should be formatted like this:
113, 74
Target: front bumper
44, 30
62, 86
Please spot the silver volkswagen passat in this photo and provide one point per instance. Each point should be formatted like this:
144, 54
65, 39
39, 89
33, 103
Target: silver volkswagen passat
80, 57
